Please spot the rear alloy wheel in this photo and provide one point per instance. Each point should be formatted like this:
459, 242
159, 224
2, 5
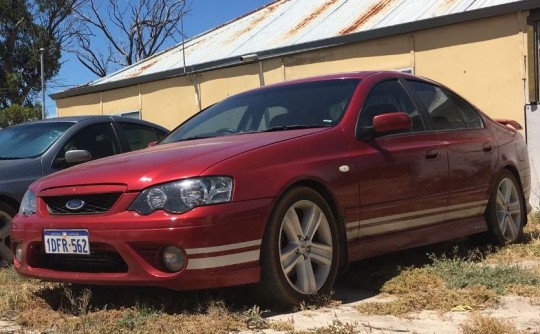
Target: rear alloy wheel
300, 248
506, 213
6, 213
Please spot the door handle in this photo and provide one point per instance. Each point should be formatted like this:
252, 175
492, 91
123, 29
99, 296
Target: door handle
432, 154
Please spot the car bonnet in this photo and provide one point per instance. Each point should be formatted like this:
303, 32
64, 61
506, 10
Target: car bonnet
162, 163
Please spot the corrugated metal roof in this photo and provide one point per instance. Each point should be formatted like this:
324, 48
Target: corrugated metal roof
292, 22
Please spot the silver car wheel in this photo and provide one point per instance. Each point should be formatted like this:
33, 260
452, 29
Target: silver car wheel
5, 232
305, 247
508, 209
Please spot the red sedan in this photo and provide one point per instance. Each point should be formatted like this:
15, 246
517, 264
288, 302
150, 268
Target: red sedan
281, 186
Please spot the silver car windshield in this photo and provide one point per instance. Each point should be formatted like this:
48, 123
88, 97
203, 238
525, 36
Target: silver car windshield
279, 108
29, 140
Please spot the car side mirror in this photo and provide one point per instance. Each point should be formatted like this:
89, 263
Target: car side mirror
77, 156
392, 122
152, 144
384, 124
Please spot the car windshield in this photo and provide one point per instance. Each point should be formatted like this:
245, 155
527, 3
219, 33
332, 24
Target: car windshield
280, 108
29, 140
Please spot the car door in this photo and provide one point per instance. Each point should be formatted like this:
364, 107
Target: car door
98, 139
471, 148
402, 176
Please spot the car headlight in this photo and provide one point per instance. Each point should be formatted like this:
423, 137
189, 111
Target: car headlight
183, 195
28, 204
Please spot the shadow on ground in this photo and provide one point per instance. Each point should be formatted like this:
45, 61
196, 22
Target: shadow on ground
364, 279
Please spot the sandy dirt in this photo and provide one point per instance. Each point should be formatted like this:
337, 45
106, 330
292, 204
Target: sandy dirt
523, 312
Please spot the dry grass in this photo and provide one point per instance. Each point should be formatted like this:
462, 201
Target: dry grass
421, 289
64, 309
479, 324
528, 250
16, 294
216, 318
336, 327
474, 278
470, 277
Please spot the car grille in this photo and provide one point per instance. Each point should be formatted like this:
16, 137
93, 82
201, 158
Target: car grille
99, 261
93, 203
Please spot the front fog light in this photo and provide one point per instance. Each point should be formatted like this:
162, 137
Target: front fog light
173, 258
19, 251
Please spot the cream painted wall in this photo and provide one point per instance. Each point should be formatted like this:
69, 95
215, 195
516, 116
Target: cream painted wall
168, 102
482, 60
219, 84
383, 54
121, 100
273, 71
89, 104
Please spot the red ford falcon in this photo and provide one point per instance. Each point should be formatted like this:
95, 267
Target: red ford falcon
281, 186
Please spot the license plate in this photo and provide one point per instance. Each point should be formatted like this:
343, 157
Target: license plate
66, 242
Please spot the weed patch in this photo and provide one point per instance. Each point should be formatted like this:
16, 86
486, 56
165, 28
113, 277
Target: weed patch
529, 249
458, 273
336, 327
420, 289
17, 292
448, 283
479, 324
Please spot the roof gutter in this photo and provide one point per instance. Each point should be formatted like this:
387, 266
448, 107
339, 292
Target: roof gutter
309, 46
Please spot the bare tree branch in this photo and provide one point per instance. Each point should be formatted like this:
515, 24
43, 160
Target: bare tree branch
132, 31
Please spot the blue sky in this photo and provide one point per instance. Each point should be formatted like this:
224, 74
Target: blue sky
205, 15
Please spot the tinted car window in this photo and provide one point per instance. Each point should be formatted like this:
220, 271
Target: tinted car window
388, 97
221, 123
30, 140
310, 104
442, 109
468, 112
99, 140
138, 136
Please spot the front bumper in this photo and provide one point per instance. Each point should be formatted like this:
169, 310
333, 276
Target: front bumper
221, 244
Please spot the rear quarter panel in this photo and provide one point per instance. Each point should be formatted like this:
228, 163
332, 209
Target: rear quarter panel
513, 155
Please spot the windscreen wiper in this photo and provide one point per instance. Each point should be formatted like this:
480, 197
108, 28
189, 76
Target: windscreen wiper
294, 127
195, 137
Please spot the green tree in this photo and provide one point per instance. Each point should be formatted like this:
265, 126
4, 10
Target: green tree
16, 114
25, 27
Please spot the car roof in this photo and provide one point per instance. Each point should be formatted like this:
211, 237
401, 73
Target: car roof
345, 75
93, 118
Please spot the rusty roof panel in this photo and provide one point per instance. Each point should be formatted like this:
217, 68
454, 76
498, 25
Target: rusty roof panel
290, 22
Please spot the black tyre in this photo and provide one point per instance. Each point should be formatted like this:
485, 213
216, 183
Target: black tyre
300, 250
506, 213
6, 214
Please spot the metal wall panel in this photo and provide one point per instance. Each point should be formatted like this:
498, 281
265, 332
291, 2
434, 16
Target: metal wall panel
291, 22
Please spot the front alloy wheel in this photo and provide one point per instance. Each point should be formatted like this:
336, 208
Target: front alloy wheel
305, 247
299, 254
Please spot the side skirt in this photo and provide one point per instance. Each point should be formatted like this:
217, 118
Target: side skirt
367, 247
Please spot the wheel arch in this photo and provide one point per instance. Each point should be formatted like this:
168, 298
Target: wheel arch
495, 176
514, 171
338, 217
